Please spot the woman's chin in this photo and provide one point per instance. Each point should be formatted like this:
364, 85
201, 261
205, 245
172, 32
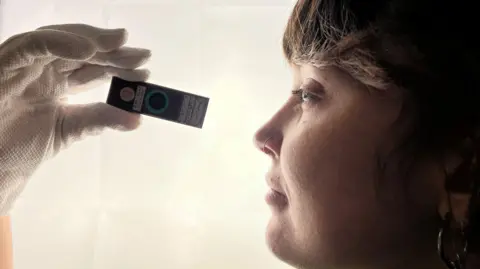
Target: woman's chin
277, 237
282, 242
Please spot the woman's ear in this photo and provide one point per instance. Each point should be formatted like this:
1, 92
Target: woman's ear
457, 203
454, 187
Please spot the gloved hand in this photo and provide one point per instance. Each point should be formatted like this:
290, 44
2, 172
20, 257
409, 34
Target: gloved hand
37, 70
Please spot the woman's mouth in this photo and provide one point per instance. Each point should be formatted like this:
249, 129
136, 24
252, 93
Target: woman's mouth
276, 199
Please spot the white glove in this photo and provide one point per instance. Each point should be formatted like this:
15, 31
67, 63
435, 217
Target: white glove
37, 70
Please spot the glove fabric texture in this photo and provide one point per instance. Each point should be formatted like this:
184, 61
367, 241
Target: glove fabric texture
38, 70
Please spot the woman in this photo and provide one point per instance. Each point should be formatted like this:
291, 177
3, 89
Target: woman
378, 142
374, 154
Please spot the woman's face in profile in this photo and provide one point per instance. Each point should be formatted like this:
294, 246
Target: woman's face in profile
338, 207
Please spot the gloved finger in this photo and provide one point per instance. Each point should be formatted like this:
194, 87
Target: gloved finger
54, 85
22, 50
128, 58
65, 66
90, 75
79, 121
125, 57
104, 39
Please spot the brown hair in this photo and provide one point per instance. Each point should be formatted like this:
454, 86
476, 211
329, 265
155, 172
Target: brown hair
426, 48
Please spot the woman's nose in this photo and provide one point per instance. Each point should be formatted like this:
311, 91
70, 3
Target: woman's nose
268, 141
269, 138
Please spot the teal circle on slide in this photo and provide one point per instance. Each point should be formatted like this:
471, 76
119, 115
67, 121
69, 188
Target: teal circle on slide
150, 108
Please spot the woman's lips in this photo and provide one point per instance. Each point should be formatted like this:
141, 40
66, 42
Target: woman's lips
276, 199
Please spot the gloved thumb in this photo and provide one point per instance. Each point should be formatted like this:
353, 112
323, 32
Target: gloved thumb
82, 120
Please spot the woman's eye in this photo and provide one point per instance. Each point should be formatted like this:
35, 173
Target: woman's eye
304, 96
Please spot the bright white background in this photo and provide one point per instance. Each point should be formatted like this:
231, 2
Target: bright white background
165, 196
